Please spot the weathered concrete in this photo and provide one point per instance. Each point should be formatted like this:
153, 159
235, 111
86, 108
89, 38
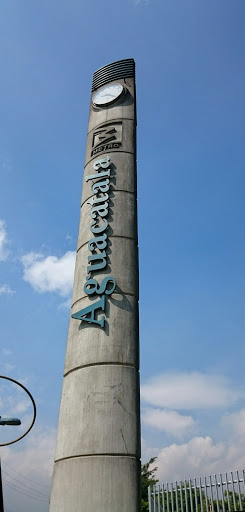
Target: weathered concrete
122, 176
92, 483
106, 420
117, 343
122, 255
120, 225
97, 459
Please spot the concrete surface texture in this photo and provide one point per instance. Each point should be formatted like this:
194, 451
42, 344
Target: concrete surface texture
97, 459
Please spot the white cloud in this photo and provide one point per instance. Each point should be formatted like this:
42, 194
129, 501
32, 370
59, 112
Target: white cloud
200, 456
6, 290
236, 421
50, 274
3, 241
22, 406
169, 421
189, 391
32, 458
36, 455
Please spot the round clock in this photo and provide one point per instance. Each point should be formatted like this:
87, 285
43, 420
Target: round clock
107, 94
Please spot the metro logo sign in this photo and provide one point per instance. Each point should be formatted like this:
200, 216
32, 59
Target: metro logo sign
107, 136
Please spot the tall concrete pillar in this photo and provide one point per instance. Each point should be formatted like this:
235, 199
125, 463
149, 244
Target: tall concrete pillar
97, 459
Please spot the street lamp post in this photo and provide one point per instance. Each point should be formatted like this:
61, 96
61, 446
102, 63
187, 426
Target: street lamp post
14, 421
1, 490
9, 421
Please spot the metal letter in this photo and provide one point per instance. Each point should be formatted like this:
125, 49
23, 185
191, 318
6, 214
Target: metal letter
99, 242
101, 186
92, 286
90, 310
100, 229
104, 283
102, 162
101, 210
98, 266
95, 199
99, 175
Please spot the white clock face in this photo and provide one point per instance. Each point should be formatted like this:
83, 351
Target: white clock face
107, 94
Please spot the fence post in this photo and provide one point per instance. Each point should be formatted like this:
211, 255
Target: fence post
228, 494
239, 491
149, 498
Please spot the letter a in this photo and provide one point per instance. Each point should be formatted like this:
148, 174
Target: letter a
90, 310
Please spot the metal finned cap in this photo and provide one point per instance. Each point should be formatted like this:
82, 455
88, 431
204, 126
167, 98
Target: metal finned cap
119, 69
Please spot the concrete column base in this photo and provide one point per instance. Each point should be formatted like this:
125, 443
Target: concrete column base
103, 483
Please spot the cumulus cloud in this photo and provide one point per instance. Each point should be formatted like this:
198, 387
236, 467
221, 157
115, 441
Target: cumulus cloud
189, 391
6, 290
168, 421
200, 456
3, 241
236, 421
50, 274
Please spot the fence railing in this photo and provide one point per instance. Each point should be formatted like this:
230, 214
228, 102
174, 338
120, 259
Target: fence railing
214, 493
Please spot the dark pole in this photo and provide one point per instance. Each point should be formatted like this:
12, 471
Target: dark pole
1, 490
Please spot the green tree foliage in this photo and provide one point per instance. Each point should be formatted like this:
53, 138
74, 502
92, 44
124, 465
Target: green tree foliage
147, 478
229, 498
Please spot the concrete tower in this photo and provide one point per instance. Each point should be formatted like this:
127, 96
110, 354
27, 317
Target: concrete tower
97, 459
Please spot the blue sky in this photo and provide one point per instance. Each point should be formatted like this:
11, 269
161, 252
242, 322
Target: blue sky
191, 183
